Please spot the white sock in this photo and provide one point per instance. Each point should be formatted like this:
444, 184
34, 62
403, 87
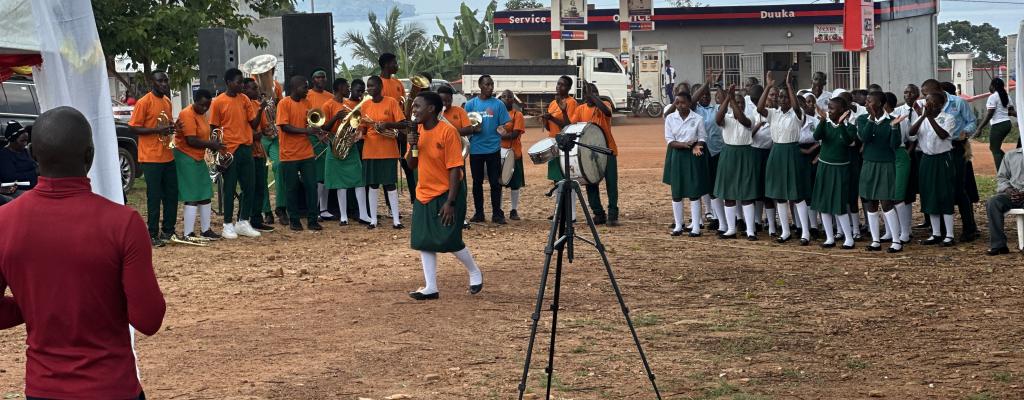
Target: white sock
947, 221
771, 220
677, 215
729, 221
892, 221
361, 202
321, 195
796, 215
343, 205
855, 223
903, 211
205, 213
718, 207
429, 259
373, 206
706, 199
749, 218
936, 221
393, 201
812, 218
873, 226
190, 219
826, 222
801, 212
695, 216
515, 199
844, 225
783, 210
475, 276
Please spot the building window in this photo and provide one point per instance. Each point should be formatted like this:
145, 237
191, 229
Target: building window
728, 64
846, 70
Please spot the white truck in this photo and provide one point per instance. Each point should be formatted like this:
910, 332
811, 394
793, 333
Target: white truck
534, 81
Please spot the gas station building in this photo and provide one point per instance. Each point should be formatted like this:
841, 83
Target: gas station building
744, 41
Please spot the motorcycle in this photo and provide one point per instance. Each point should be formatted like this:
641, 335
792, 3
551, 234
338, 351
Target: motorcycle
640, 103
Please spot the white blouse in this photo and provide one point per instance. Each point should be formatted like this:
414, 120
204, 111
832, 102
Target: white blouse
689, 130
807, 129
734, 133
1002, 113
906, 123
929, 141
785, 126
763, 137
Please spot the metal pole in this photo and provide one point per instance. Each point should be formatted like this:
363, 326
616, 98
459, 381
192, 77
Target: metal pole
863, 69
557, 45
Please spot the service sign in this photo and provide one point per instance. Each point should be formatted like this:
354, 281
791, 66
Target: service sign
574, 12
641, 7
858, 25
828, 33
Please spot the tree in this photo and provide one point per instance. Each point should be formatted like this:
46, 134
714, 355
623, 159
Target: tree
961, 36
164, 33
387, 37
522, 4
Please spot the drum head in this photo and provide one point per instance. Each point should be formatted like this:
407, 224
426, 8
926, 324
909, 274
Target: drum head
592, 164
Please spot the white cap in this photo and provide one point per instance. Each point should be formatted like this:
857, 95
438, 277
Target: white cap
837, 92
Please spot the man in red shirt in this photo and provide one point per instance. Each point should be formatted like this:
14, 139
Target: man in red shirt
77, 289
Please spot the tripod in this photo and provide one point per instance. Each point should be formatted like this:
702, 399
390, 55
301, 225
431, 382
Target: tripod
561, 239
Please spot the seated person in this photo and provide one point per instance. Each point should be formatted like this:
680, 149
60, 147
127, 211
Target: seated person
17, 168
1009, 194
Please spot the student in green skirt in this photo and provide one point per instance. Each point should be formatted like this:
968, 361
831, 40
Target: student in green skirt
762, 143
440, 204
932, 131
880, 134
343, 173
809, 148
902, 166
195, 188
832, 180
738, 179
909, 112
688, 171
783, 182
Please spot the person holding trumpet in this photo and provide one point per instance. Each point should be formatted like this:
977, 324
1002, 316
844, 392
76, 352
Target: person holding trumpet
346, 173
381, 116
151, 121
296, 151
195, 188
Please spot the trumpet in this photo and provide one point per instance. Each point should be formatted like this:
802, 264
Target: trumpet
162, 122
315, 118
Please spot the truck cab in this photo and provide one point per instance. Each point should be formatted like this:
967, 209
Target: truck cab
604, 70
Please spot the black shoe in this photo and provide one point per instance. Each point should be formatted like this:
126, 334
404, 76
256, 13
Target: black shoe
892, 250
751, 238
166, 236
874, 246
499, 220
342, 223
828, 245
420, 296
693, 234
371, 226
513, 215
157, 242
295, 226
858, 237
362, 221
969, 237
399, 226
259, 226
995, 252
474, 289
948, 242
845, 247
815, 233
282, 216
923, 225
600, 219
210, 235
269, 217
722, 235
466, 225
932, 240
805, 242
783, 239
677, 233
329, 217
314, 226
478, 218
713, 224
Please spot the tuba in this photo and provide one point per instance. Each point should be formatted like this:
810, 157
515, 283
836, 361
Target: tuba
217, 162
348, 131
163, 121
261, 69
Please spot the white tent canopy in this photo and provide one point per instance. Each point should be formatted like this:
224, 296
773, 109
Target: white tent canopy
20, 30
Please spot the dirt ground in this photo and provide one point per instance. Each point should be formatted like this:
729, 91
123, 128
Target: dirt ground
718, 319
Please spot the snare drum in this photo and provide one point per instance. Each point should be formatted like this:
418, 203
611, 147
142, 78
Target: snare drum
585, 165
508, 165
543, 151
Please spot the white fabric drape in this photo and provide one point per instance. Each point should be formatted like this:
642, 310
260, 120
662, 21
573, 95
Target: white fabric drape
74, 74
1019, 101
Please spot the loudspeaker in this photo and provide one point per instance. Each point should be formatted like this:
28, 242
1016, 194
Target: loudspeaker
218, 52
308, 41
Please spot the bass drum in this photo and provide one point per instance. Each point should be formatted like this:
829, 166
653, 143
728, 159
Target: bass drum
508, 165
586, 166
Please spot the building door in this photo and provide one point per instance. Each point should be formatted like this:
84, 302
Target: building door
752, 65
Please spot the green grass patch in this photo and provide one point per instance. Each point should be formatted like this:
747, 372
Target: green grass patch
1002, 376
986, 186
856, 364
744, 345
646, 320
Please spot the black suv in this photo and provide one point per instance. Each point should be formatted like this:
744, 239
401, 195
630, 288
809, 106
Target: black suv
18, 102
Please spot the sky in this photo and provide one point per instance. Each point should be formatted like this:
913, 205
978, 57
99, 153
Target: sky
999, 13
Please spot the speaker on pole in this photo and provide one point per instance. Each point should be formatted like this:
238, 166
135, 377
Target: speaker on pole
218, 52
308, 44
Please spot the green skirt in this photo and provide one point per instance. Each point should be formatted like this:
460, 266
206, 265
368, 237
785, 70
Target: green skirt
518, 178
902, 166
320, 152
915, 171
344, 173
935, 180
429, 234
782, 178
713, 169
808, 170
738, 174
665, 174
877, 181
380, 171
194, 182
855, 165
762, 156
831, 189
555, 170
688, 174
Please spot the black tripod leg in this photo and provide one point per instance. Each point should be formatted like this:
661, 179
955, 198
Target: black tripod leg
550, 370
618, 293
554, 236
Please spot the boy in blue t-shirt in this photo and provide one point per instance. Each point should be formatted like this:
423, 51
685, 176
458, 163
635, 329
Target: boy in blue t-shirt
485, 149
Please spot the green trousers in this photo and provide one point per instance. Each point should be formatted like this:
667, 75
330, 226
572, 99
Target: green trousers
280, 198
161, 189
611, 181
241, 173
261, 194
292, 172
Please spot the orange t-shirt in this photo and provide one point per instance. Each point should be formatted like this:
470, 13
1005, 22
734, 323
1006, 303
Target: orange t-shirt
457, 116
233, 114
278, 91
375, 146
193, 125
392, 88
516, 123
586, 113
332, 106
257, 146
440, 151
317, 100
147, 109
293, 146
570, 107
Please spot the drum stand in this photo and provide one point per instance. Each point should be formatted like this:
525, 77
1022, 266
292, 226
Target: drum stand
560, 239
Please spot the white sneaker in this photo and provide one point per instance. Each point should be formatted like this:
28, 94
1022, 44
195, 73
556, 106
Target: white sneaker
229, 231
243, 228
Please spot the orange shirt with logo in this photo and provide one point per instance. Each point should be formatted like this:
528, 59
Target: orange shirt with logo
516, 123
440, 151
293, 146
195, 125
586, 113
233, 114
392, 88
144, 115
457, 116
375, 146
570, 108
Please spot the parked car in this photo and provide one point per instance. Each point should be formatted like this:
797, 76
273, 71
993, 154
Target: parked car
18, 101
122, 112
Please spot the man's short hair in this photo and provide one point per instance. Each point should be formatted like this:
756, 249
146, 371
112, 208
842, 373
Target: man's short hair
377, 79
446, 90
480, 80
248, 81
338, 82
385, 58
201, 94
433, 99
231, 74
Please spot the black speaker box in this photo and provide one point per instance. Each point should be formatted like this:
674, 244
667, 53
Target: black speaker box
218, 52
308, 45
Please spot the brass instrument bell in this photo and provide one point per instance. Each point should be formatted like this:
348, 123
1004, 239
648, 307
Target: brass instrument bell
315, 118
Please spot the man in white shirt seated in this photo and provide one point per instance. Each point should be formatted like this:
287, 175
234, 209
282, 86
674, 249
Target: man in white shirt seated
1009, 194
